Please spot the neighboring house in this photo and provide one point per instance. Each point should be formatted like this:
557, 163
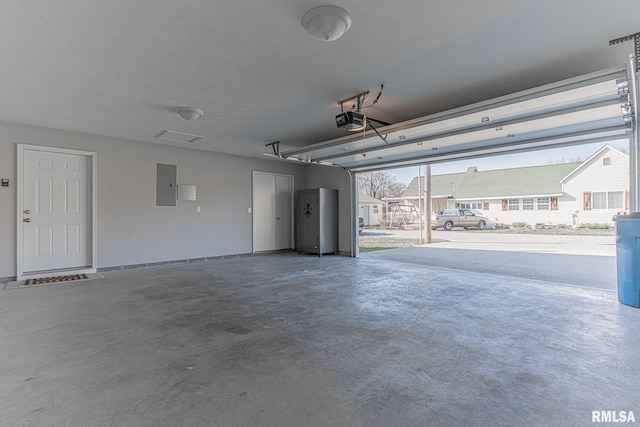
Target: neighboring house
442, 189
370, 209
592, 191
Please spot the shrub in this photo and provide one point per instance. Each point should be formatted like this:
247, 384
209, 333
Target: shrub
520, 225
595, 226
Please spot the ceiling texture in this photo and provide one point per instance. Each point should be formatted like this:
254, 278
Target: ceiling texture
122, 68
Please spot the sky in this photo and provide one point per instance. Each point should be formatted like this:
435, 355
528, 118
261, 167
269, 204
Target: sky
531, 158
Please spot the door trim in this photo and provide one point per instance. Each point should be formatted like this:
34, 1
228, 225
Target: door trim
20, 273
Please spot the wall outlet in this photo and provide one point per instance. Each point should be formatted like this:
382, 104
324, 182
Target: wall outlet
197, 209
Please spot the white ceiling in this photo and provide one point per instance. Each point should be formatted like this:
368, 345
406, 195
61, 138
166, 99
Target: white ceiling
121, 68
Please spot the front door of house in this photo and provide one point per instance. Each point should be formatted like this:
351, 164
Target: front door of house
55, 221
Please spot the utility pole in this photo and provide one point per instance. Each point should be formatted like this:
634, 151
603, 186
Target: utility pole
428, 208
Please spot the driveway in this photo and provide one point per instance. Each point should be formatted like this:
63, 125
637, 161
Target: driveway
586, 261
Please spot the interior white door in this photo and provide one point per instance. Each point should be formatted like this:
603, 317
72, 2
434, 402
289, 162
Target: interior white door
264, 212
272, 211
56, 216
284, 212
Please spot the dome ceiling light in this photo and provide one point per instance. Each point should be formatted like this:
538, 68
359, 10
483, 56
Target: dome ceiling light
189, 113
327, 23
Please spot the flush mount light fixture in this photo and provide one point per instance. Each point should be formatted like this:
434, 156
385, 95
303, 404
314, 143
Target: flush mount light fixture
327, 23
189, 113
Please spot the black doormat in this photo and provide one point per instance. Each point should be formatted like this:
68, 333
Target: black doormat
56, 279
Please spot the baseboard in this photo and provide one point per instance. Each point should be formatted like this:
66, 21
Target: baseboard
181, 261
184, 261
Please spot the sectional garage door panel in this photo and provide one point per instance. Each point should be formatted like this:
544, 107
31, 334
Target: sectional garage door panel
589, 107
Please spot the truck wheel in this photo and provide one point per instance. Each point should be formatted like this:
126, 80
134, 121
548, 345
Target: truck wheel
481, 225
448, 225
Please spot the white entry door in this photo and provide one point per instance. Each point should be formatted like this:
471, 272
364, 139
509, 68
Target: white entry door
272, 211
55, 217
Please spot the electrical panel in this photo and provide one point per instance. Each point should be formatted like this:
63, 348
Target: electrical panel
166, 185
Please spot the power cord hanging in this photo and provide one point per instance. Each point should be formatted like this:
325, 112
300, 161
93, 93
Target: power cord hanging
364, 141
377, 97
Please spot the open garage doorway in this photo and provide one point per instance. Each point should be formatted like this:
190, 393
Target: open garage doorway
550, 209
596, 108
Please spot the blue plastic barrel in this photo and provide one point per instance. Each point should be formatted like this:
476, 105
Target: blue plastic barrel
628, 258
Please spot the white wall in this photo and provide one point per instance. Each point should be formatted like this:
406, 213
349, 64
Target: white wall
335, 178
567, 205
560, 216
131, 228
366, 211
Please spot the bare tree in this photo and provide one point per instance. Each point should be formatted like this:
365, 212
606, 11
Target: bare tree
379, 185
562, 160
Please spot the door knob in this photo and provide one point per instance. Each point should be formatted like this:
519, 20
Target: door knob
27, 212
27, 220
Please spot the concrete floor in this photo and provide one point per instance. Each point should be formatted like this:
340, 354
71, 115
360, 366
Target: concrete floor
296, 340
588, 261
593, 271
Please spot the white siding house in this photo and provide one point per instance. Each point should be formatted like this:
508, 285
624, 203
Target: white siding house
592, 191
599, 187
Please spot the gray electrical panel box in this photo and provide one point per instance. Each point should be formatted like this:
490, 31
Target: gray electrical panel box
166, 185
317, 221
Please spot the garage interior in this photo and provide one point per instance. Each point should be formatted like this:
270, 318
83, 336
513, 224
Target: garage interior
189, 321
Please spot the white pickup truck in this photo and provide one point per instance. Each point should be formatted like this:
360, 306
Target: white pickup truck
459, 218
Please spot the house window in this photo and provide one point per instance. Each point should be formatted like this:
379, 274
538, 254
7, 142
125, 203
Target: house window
606, 161
527, 204
543, 203
615, 199
375, 209
607, 199
471, 205
514, 204
599, 200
